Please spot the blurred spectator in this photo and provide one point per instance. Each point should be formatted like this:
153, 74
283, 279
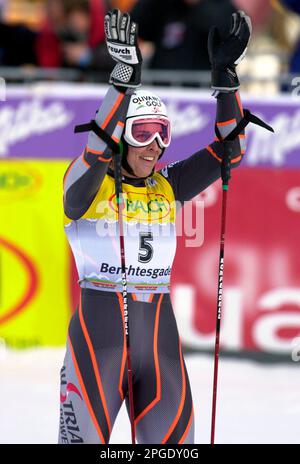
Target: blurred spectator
179, 30
2, 7
258, 10
16, 45
11, 36
73, 35
123, 5
294, 5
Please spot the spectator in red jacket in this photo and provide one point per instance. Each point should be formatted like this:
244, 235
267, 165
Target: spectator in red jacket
73, 35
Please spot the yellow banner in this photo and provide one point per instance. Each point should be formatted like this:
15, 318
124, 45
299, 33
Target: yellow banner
35, 304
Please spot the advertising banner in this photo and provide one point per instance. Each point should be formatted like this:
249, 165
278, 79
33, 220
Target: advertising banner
34, 254
39, 120
261, 291
261, 288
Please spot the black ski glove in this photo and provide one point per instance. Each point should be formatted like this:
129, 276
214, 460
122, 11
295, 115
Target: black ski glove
226, 53
121, 40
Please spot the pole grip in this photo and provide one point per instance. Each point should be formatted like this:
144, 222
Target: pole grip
118, 171
226, 161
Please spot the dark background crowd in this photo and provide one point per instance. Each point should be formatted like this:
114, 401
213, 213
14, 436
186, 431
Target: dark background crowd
173, 33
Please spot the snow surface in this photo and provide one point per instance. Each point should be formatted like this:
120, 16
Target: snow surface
257, 403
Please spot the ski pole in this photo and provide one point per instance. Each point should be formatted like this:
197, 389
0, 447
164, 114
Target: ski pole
120, 207
117, 149
225, 174
228, 144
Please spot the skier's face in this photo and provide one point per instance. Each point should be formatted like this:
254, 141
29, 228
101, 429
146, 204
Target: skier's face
143, 159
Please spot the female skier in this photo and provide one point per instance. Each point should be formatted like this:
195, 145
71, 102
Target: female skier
94, 373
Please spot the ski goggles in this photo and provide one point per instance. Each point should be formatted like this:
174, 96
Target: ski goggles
140, 132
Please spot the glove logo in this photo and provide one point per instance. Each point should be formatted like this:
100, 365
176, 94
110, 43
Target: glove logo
121, 40
123, 51
231, 72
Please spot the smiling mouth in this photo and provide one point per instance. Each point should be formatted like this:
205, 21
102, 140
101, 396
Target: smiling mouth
149, 159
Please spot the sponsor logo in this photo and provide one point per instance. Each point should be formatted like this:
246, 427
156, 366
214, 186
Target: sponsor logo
122, 51
151, 182
165, 172
147, 99
155, 109
265, 147
21, 299
136, 271
69, 429
28, 119
125, 306
187, 119
151, 206
221, 271
18, 181
70, 388
233, 74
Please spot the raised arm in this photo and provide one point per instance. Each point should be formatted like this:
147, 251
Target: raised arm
192, 175
86, 173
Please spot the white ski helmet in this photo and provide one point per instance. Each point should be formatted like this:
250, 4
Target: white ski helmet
147, 112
